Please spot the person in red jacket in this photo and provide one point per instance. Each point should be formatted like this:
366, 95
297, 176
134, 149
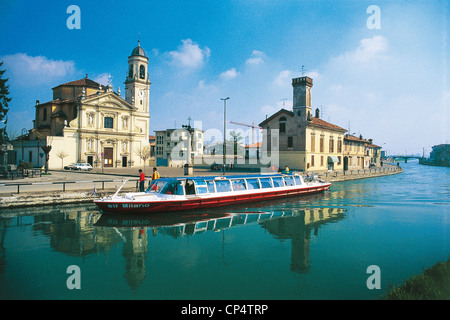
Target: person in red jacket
141, 180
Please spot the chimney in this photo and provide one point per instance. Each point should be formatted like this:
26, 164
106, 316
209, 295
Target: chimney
317, 113
37, 102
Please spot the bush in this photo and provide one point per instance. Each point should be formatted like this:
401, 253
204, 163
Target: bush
433, 284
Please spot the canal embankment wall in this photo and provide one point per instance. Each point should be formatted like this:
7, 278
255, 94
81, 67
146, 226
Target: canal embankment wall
62, 187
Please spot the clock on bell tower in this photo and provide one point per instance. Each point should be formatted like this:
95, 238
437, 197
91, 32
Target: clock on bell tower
137, 83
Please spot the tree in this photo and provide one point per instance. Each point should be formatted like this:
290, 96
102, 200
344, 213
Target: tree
236, 138
4, 104
46, 149
61, 154
144, 153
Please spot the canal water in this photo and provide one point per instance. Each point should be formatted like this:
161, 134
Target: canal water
315, 247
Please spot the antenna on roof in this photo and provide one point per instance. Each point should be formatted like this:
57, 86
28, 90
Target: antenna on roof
303, 70
139, 39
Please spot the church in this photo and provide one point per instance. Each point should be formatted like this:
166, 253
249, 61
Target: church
87, 122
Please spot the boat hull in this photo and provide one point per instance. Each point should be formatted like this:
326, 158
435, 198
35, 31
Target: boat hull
199, 202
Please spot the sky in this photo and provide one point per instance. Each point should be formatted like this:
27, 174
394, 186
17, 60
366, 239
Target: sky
380, 68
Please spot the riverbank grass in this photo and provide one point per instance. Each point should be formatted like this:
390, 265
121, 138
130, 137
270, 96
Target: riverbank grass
433, 284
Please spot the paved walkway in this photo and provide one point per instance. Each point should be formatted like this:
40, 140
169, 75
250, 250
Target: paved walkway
111, 178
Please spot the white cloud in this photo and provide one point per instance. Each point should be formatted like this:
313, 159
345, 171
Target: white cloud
190, 55
269, 110
368, 49
103, 78
28, 70
229, 74
257, 57
283, 79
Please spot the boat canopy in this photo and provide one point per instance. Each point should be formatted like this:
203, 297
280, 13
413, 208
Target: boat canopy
218, 184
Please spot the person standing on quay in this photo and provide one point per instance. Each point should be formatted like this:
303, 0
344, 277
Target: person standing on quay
141, 180
155, 174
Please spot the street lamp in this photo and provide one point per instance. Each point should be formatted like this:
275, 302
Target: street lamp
224, 129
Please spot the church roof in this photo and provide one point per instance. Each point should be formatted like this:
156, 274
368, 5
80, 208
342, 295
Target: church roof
85, 82
138, 51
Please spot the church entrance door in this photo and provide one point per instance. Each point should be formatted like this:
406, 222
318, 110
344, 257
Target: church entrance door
108, 156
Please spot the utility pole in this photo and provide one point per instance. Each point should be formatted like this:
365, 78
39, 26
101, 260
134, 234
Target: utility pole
224, 130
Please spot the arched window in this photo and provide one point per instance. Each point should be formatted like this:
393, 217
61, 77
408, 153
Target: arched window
130, 71
142, 72
282, 121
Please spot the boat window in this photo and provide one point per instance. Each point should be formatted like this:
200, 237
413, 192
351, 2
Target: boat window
252, 184
156, 186
298, 180
289, 181
278, 182
200, 185
239, 185
265, 182
223, 185
172, 187
210, 185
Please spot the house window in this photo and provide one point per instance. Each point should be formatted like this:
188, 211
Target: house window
321, 161
312, 161
290, 142
44, 114
339, 146
109, 121
321, 144
313, 143
282, 124
331, 145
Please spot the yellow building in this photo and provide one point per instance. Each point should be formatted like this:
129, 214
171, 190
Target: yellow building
305, 142
89, 122
360, 153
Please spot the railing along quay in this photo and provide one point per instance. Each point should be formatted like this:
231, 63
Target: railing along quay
63, 183
360, 172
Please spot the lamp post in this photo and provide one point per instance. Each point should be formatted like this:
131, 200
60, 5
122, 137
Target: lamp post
224, 129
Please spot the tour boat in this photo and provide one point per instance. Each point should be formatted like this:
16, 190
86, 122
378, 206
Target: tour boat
188, 193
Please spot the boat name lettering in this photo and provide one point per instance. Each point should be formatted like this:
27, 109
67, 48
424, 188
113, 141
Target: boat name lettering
136, 205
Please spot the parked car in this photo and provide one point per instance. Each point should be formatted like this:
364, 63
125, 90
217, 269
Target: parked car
216, 166
70, 167
82, 166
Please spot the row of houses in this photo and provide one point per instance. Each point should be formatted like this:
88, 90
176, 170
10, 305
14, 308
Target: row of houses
297, 138
89, 122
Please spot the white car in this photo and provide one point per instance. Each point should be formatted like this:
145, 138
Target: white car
82, 166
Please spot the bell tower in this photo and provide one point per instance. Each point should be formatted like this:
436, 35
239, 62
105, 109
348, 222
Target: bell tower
302, 98
137, 82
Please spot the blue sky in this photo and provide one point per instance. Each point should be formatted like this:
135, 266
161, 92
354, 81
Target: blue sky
390, 84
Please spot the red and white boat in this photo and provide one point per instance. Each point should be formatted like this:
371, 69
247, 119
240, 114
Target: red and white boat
188, 193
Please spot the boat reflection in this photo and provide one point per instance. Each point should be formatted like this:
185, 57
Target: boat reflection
182, 224
80, 232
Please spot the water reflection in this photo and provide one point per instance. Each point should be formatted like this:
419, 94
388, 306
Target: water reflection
78, 232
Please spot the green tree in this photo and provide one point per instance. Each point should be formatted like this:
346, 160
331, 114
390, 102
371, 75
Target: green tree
4, 101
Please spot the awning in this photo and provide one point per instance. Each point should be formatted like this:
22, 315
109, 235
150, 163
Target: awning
333, 159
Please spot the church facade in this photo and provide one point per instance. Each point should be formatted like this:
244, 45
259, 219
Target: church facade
87, 122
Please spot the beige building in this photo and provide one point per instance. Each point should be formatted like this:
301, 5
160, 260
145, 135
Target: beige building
88, 122
306, 142
360, 153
